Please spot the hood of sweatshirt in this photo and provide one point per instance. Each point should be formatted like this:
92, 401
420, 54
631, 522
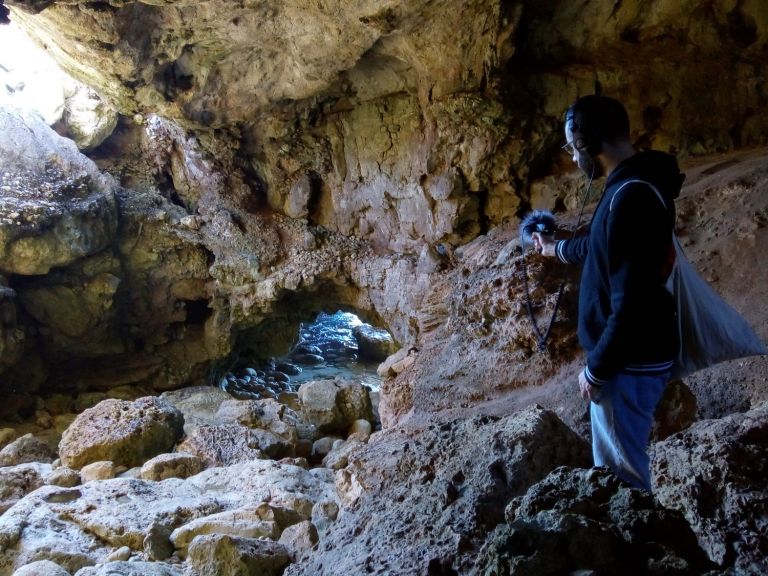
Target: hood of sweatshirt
658, 168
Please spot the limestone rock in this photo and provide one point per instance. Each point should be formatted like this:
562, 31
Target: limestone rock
18, 481
157, 542
338, 458
374, 344
228, 444
126, 433
63, 477
589, 520
406, 497
102, 516
41, 568
218, 554
676, 411
89, 119
334, 404
198, 404
713, 474
97, 471
124, 568
58, 208
173, 465
27, 448
268, 415
299, 538
260, 521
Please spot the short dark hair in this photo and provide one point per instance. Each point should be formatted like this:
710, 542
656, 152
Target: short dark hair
599, 118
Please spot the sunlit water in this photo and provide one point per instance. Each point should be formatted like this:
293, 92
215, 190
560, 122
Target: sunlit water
332, 335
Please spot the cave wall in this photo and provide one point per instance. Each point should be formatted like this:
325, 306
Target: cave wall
274, 158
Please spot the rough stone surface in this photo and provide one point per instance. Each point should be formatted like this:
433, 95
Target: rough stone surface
198, 404
124, 568
173, 465
97, 471
299, 538
588, 520
126, 433
228, 444
268, 415
63, 477
27, 448
261, 521
438, 494
18, 481
334, 404
41, 568
712, 473
78, 527
372, 343
218, 554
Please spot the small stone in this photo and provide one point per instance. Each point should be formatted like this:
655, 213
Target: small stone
157, 542
120, 555
63, 477
97, 471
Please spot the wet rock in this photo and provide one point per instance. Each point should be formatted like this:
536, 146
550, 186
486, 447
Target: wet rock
217, 554
334, 404
41, 568
374, 344
132, 569
230, 443
97, 471
18, 481
173, 465
27, 448
589, 520
126, 433
714, 474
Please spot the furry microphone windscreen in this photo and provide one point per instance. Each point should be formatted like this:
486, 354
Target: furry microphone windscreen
537, 221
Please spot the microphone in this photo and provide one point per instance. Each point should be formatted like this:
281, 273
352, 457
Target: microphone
537, 221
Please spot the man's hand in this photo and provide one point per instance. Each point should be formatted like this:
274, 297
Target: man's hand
544, 243
588, 392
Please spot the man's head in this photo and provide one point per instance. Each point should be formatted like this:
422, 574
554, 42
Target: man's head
591, 124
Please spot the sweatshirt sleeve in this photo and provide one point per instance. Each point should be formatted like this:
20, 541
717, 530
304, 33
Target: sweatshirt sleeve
638, 233
573, 251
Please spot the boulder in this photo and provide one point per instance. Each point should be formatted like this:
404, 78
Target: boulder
228, 444
57, 207
373, 344
334, 404
714, 474
675, 412
217, 554
411, 500
98, 471
198, 404
18, 481
41, 568
590, 521
267, 415
64, 477
173, 465
88, 118
125, 568
27, 448
259, 521
299, 538
126, 433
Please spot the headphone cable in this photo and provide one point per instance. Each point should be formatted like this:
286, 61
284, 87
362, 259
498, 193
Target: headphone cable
542, 338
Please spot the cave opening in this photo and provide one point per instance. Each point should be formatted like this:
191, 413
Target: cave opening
280, 355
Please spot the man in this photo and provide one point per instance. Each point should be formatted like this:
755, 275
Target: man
627, 321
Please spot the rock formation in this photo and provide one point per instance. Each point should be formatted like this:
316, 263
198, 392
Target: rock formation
250, 164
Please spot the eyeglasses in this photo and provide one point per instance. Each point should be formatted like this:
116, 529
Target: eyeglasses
568, 148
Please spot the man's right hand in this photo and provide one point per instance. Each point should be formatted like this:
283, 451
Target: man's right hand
544, 243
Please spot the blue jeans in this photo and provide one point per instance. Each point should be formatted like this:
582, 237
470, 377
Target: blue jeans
622, 418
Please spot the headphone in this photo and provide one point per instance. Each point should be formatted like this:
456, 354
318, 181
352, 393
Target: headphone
588, 139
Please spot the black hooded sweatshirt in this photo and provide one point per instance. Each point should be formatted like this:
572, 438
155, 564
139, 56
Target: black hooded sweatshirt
627, 319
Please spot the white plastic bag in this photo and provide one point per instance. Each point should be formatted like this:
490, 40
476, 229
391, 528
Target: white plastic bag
710, 330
